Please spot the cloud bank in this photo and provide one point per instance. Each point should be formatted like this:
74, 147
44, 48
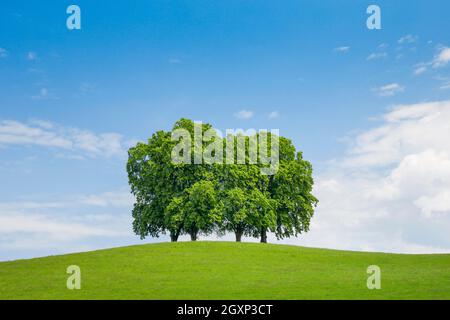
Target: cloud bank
65, 224
83, 143
391, 191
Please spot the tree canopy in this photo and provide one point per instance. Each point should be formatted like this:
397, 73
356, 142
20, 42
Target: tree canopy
217, 186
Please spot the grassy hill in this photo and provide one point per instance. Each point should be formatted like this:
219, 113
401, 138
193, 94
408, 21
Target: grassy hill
226, 270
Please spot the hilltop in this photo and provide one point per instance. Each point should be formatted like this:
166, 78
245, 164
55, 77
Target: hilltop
226, 270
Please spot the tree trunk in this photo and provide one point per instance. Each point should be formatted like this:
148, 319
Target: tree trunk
174, 235
263, 235
194, 236
238, 236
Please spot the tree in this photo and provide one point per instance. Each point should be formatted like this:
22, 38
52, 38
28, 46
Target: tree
194, 197
236, 214
160, 186
174, 218
202, 210
264, 214
237, 183
288, 193
291, 188
146, 178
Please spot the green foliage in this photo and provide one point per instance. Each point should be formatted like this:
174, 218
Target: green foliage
291, 188
187, 198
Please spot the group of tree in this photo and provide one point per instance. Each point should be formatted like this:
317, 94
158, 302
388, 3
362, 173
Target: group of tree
203, 198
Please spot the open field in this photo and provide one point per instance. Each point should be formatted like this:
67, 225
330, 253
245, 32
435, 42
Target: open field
226, 270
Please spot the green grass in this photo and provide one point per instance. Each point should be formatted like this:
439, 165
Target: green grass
226, 270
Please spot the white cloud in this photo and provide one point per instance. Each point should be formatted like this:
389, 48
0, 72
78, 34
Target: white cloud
409, 38
112, 199
42, 123
407, 129
50, 227
244, 114
17, 133
120, 199
391, 191
389, 89
44, 94
74, 140
442, 58
66, 221
31, 56
343, 49
377, 55
445, 86
434, 204
105, 144
274, 115
419, 70
3, 53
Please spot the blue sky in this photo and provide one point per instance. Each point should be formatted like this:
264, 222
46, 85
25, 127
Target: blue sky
72, 102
